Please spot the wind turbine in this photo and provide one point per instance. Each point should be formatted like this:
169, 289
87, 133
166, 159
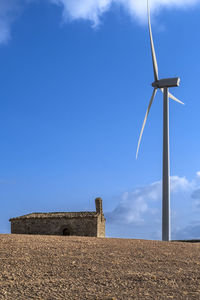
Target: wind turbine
163, 85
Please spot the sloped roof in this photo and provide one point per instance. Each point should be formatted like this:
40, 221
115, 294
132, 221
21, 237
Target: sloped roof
50, 215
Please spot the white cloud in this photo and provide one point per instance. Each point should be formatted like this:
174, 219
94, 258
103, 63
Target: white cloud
83, 9
91, 10
134, 205
140, 209
181, 184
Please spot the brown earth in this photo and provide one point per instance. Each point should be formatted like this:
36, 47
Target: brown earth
60, 267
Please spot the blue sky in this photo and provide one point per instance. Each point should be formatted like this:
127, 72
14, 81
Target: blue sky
75, 83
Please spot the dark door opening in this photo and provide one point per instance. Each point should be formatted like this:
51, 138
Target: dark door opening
66, 231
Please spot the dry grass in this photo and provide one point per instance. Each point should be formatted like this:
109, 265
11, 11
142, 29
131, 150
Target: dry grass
59, 267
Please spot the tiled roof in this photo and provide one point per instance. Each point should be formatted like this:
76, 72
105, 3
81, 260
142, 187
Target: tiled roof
57, 215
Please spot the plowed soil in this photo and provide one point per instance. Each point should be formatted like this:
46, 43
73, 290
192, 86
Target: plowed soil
60, 267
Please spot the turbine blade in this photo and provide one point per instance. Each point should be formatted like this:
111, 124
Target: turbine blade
173, 97
145, 119
155, 65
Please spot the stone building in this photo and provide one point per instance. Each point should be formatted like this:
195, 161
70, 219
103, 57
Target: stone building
62, 223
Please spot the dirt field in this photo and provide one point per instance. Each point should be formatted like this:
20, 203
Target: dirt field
60, 267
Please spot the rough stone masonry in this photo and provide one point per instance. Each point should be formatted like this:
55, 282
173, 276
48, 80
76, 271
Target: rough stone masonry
62, 223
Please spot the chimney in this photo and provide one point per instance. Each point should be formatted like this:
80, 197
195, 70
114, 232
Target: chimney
99, 209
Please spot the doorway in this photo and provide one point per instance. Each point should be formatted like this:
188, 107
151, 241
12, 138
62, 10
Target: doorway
66, 231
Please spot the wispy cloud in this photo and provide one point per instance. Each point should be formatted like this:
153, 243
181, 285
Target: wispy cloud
88, 10
191, 231
7, 182
196, 198
9, 9
196, 195
140, 210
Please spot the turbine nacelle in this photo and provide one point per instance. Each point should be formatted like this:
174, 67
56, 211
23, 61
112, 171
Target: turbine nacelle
166, 83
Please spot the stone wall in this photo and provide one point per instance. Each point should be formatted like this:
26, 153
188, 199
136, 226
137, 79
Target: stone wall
101, 226
56, 226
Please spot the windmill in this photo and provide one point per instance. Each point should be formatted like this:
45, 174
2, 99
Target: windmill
163, 85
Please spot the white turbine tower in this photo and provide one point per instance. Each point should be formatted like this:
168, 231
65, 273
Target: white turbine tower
163, 85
